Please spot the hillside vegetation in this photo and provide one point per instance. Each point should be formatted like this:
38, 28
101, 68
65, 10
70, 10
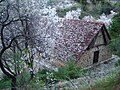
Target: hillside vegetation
28, 30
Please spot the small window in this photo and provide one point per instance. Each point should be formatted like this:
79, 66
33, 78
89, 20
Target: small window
95, 57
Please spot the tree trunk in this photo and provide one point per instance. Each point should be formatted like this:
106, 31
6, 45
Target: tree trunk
13, 84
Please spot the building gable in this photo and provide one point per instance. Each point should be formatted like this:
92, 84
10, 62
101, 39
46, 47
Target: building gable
102, 38
99, 40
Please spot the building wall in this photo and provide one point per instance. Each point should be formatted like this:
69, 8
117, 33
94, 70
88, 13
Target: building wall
87, 57
98, 45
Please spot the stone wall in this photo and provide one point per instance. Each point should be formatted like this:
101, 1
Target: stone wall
87, 57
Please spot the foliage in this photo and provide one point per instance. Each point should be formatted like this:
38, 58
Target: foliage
83, 3
23, 79
97, 9
115, 34
115, 46
69, 71
5, 82
107, 83
117, 6
115, 26
106, 8
62, 12
36, 83
118, 63
46, 75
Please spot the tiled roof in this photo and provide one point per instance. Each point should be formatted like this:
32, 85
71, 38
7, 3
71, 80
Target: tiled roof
76, 35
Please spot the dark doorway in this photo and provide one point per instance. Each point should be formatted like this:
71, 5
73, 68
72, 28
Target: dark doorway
96, 56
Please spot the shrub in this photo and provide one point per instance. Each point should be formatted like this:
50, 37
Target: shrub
97, 9
117, 63
46, 75
5, 82
115, 34
117, 6
69, 71
115, 27
40, 79
23, 79
62, 12
106, 8
36, 83
115, 46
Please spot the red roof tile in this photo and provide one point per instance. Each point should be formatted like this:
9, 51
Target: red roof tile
76, 36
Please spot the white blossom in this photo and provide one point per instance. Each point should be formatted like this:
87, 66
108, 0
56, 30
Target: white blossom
74, 14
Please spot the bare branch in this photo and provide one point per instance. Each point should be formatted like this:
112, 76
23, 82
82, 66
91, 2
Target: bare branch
14, 38
7, 14
2, 52
2, 37
1, 1
12, 21
1, 63
7, 67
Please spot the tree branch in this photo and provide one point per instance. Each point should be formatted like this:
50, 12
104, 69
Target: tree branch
2, 52
7, 67
12, 21
1, 63
7, 14
2, 37
14, 38
1, 1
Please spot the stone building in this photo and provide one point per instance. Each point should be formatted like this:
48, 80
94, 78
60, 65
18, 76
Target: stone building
86, 41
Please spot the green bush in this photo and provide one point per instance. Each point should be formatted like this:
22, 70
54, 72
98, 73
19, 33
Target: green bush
114, 31
118, 63
115, 46
115, 27
62, 11
36, 83
46, 75
5, 82
39, 80
23, 79
69, 71
117, 6
106, 8
102, 8
96, 10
